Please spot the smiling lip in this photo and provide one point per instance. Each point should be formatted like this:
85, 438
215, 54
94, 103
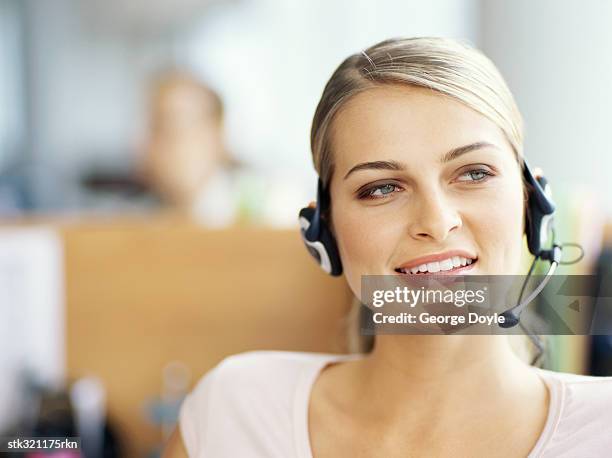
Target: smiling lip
439, 257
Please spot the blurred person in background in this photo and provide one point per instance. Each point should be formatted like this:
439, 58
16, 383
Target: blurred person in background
185, 163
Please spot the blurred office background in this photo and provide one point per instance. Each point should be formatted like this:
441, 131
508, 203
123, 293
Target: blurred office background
111, 307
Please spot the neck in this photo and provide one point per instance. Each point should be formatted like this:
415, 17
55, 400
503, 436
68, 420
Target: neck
431, 356
446, 371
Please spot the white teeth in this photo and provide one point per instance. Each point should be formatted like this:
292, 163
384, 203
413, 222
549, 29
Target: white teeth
437, 266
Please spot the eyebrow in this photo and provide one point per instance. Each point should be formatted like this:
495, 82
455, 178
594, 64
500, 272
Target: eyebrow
447, 157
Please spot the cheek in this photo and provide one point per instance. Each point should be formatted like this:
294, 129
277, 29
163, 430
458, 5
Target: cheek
499, 235
366, 244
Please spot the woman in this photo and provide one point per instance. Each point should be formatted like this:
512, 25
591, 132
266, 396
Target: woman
419, 144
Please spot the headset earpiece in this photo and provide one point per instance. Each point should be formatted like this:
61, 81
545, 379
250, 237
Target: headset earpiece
317, 236
540, 211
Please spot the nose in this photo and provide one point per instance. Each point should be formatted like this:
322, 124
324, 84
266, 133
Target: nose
433, 217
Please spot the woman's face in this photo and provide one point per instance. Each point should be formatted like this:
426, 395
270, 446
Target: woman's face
419, 174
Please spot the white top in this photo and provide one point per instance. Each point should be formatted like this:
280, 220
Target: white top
255, 404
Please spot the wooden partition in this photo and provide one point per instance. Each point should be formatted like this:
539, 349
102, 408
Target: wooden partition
143, 293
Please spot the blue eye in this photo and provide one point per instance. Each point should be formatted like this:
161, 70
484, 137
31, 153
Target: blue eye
476, 175
386, 190
379, 192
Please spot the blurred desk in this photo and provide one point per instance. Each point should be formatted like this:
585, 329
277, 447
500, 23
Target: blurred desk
143, 292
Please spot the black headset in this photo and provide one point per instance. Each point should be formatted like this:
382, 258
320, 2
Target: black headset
539, 229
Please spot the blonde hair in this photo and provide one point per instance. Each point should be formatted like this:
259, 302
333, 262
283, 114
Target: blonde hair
440, 64
443, 65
